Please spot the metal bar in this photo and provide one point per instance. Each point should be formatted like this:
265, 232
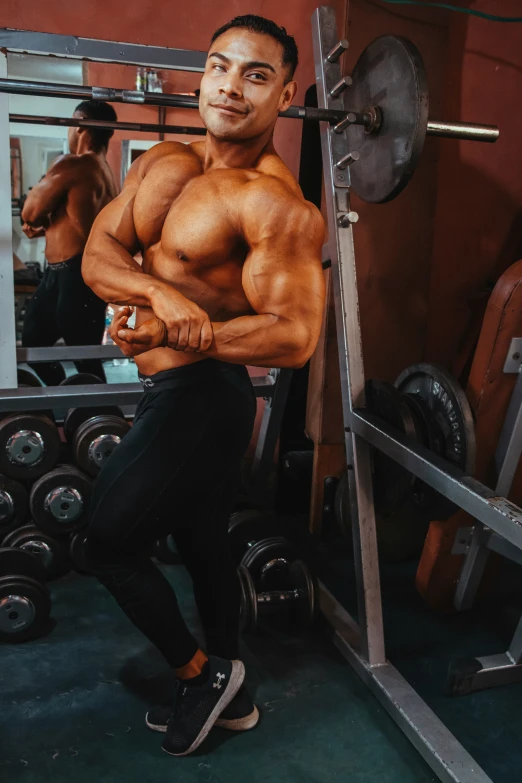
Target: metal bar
270, 429
344, 279
515, 648
478, 500
42, 398
509, 447
113, 95
70, 46
435, 743
72, 122
463, 130
472, 571
68, 353
7, 297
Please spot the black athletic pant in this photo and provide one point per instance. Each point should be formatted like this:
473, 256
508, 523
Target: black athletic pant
63, 306
177, 471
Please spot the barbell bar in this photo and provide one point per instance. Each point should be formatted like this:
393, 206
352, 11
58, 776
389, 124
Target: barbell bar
454, 130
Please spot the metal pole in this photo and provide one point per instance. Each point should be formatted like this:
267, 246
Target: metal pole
7, 299
463, 130
337, 181
72, 122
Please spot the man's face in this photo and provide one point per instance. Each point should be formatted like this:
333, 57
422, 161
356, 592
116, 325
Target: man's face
243, 87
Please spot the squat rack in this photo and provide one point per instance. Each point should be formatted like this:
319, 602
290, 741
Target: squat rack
361, 643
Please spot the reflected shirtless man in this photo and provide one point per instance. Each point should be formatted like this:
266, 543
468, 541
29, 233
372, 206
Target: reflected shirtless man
62, 207
231, 276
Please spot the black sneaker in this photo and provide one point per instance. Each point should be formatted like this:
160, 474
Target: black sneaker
197, 707
240, 715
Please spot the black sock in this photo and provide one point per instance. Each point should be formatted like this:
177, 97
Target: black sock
199, 679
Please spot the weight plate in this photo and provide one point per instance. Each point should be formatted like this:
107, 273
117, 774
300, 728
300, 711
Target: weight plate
249, 616
264, 551
60, 500
77, 553
76, 416
25, 607
27, 379
53, 554
95, 441
165, 551
14, 504
392, 483
18, 562
303, 613
245, 528
447, 414
389, 74
81, 379
343, 513
29, 445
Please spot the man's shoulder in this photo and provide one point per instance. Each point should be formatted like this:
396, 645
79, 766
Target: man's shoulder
272, 196
173, 150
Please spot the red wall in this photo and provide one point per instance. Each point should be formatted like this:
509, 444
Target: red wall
478, 215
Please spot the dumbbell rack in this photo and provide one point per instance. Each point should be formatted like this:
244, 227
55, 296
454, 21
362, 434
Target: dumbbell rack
362, 642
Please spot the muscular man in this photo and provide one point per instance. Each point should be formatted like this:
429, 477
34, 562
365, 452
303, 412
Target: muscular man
231, 276
62, 207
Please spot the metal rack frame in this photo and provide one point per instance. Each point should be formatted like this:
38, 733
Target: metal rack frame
362, 642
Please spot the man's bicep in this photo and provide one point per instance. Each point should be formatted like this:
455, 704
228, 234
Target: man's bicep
116, 221
44, 198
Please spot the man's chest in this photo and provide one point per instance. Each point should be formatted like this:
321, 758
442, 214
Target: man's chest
194, 220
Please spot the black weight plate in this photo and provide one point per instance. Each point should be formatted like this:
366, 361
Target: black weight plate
14, 505
27, 379
303, 613
96, 439
81, 379
76, 416
165, 551
77, 553
249, 615
428, 431
29, 445
343, 513
392, 483
246, 527
53, 554
25, 607
389, 74
447, 410
264, 551
16, 561
60, 500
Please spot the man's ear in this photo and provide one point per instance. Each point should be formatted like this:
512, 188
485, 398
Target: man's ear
288, 95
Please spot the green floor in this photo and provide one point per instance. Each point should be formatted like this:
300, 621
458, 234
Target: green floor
73, 708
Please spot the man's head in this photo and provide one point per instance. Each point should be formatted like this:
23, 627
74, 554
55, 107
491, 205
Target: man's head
248, 78
98, 138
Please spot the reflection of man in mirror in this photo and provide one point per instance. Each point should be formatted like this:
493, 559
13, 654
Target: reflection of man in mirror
62, 207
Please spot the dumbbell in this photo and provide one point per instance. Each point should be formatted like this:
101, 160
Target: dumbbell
93, 434
53, 554
25, 604
14, 505
254, 545
297, 602
29, 445
60, 500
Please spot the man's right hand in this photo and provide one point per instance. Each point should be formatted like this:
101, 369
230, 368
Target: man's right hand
188, 326
33, 232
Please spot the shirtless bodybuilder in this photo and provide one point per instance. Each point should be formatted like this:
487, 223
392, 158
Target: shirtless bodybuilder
62, 207
231, 276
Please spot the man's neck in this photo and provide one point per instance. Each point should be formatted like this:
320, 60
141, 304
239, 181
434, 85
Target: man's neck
219, 154
87, 149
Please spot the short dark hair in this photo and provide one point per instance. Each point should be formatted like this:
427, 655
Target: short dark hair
98, 110
258, 24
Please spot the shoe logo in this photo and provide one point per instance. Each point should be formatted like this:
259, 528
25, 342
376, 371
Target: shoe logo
217, 684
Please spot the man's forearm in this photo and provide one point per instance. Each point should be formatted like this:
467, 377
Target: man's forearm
262, 341
114, 275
